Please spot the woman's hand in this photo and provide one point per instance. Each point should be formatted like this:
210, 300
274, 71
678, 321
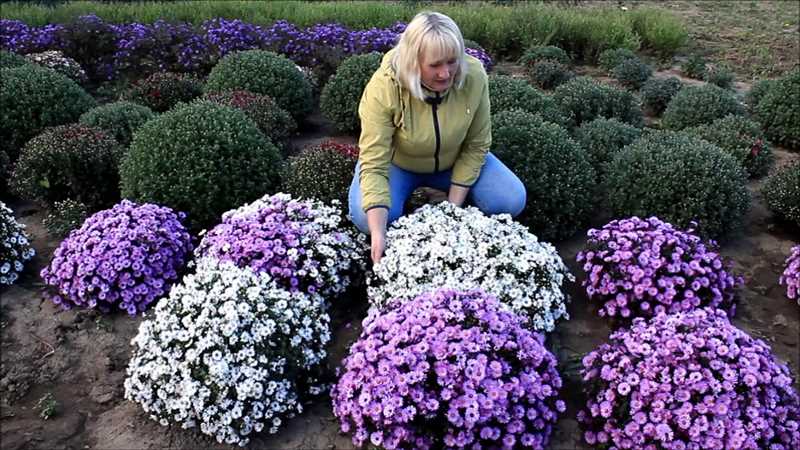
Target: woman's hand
457, 194
376, 220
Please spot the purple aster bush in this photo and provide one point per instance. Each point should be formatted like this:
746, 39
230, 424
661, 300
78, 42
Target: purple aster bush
482, 56
642, 267
302, 244
449, 369
126, 256
689, 380
791, 276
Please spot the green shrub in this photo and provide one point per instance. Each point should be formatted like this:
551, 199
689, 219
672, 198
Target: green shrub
740, 137
632, 73
694, 67
264, 72
202, 159
779, 111
544, 53
721, 76
342, 93
506, 93
782, 193
756, 93
55, 60
698, 105
602, 138
163, 90
32, 98
275, 122
583, 99
65, 216
69, 161
613, 57
554, 168
549, 74
321, 172
680, 179
119, 119
10, 60
657, 92
5, 172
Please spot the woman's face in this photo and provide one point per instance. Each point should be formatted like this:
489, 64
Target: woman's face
437, 73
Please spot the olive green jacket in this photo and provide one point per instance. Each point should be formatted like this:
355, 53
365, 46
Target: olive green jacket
419, 136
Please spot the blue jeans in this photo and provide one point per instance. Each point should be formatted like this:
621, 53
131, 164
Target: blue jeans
496, 191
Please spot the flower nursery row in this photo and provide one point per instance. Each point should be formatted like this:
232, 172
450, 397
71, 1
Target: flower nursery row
451, 353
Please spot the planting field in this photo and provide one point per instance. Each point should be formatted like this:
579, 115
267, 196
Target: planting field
170, 282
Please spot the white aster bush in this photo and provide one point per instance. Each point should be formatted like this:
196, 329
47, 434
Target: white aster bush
230, 352
444, 246
15, 247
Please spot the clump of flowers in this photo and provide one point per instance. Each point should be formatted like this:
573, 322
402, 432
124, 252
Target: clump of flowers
65, 216
126, 256
461, 248
15, 247
643, 267
228, 351
482, 56
688, 380
54, 59
448, 369
301, 243
791, 275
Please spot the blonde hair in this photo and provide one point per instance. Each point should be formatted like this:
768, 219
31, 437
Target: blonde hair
428, 32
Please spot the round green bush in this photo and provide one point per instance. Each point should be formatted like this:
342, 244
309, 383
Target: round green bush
275, 122
602, 138
721, 76
69, 161
163, 90
32, 98
543, 53
583, 99
756, 93
694, 67
120, 119
10, 60
202, 159
548, 74
680, 179
698, 105
554, 168
264, 72
322, 172
742, 138
65, 216
779, 111
782, 193
632, 73
506, 93
5, 171
342, 93
611, 58
657, 92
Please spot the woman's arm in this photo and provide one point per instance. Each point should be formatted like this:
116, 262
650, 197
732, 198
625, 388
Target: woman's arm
376, 220
457, 194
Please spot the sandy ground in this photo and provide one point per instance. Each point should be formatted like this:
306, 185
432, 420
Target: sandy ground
80, 356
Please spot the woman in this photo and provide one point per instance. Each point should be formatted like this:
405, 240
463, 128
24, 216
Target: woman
425, 121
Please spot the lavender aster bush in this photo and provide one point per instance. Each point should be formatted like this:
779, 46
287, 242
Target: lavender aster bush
689, 380
461, 248
228, 351
124, 257
791, 275
448, 369
15, 246
643, 267
302, 244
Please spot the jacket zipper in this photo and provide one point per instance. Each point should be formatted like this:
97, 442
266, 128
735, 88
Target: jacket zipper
434, 108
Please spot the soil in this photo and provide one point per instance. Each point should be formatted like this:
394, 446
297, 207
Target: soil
80, 356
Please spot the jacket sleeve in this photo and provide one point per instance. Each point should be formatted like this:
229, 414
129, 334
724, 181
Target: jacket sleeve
476, 145
376, 111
